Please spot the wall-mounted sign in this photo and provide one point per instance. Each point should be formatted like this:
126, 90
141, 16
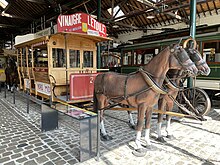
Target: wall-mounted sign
80, 23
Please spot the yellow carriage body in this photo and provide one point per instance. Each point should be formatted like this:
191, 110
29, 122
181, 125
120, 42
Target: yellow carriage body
46, 63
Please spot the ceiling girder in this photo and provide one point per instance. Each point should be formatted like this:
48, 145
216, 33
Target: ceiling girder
37, 1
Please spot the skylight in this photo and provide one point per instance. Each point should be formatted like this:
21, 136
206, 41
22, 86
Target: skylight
118, 11
3, 3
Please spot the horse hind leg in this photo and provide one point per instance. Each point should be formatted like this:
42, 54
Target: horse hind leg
131, 120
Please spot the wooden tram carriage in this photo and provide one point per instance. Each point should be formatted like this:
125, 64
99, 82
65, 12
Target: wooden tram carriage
51, 66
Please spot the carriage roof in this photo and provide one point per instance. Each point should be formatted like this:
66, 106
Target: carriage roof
47, 38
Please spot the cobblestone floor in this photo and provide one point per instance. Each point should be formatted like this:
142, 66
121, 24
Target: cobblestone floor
22, 142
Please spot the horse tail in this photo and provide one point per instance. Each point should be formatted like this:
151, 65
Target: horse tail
95, 102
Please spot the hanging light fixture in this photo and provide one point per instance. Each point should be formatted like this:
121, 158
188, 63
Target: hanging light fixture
3, 4
150, 17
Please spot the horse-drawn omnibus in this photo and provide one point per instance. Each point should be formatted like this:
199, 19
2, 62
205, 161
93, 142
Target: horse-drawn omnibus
57, 66
208, 43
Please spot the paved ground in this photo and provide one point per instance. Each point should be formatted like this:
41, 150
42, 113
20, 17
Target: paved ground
22, 142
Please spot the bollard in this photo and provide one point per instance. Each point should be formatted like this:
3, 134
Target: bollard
98, 136
13, 95
5, 90
27, 94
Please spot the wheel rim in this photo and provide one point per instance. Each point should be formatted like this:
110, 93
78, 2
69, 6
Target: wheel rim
199, 100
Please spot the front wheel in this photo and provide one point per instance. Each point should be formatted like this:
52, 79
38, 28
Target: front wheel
195, 100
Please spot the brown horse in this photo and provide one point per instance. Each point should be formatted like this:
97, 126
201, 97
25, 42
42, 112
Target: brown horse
166, 102
11, 73
140, 89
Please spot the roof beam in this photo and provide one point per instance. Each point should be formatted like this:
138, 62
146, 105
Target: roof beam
215, 7
209, 8
7, 25
140, 12
118, 23
37, 1
149, 4
14, 16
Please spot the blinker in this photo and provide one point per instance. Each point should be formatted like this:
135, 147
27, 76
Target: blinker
194, 55
183, 56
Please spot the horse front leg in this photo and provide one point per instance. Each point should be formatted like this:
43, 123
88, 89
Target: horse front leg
168, 122
141, 114
161, 106
131, 120
147, 126
104, 136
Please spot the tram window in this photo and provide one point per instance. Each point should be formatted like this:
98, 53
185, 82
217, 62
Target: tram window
29, 58
19, 57
59, 58
127, 58
40, 58
87, 58
147, 58
74, 58
211, 51
143, 56
135, 58
23, 57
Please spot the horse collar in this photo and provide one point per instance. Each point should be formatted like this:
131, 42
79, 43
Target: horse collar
151, 82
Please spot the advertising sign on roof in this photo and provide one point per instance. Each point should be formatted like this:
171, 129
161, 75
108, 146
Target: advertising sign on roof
80, 23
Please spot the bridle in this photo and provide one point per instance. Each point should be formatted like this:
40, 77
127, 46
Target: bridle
193, 52
181, 55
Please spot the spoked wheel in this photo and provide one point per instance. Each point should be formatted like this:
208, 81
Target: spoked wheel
195, 100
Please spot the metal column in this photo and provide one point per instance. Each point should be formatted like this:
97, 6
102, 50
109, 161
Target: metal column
192, 30
98, 45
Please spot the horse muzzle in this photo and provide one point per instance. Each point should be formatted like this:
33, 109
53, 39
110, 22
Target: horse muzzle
205, 71
188, 73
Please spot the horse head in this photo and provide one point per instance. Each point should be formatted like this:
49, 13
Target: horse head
183, 60
196, 57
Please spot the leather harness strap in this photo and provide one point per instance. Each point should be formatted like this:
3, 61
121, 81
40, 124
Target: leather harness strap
125, 87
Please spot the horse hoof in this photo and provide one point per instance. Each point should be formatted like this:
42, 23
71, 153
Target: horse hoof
161, 139
132, 126
150, 148
171, 137
139, 152
105, 137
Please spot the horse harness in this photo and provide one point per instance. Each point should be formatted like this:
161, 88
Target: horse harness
194, 55
147, 78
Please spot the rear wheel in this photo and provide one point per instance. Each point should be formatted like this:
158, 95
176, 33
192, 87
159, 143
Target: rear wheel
195, 100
